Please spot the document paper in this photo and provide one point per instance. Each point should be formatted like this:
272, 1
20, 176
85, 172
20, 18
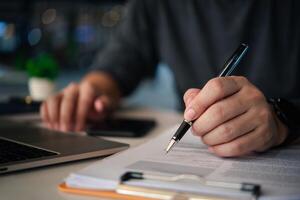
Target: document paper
277, 171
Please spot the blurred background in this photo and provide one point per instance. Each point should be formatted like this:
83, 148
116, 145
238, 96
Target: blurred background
67, 33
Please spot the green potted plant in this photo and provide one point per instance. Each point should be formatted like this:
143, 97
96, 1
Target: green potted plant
42, 71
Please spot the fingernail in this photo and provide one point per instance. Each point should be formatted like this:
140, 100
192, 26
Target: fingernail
56, 126
78, 127
63, 128
190, 114
48, 125
51, 126
99, 106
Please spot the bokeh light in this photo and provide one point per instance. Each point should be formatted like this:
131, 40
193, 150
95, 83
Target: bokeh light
49, 16
34, 36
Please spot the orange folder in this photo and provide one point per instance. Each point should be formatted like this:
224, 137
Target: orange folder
100, 193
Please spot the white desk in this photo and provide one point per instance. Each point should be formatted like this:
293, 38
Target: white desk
41, 183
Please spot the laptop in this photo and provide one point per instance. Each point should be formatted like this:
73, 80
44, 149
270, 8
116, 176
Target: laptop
23, 146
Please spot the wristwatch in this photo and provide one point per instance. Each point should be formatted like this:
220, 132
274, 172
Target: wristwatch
288, 114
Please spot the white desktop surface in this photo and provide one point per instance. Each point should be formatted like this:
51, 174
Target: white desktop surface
41, 183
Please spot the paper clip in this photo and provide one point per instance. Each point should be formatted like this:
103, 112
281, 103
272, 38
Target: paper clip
250, 188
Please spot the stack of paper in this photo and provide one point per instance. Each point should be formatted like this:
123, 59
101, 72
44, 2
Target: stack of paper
277, 171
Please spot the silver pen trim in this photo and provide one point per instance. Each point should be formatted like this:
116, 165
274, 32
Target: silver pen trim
189, 122
171, 144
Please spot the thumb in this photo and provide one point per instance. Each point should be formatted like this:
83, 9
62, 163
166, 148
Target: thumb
102, 106
98, 105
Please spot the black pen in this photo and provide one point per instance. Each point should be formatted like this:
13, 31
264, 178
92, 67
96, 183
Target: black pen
228, 67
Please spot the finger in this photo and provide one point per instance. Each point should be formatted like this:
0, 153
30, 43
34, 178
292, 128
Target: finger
53, 110
67, 107
99, 105
215, 90
243, 145
189, 95
220, 112
106, 103
101, 108
84, 105
232, 129
44, 114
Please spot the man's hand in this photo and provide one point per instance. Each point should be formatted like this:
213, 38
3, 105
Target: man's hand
233, 117
70, 109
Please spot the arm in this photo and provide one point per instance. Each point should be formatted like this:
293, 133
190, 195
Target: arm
131, 54
129, 57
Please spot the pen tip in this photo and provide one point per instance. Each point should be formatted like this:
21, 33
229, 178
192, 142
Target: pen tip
170, 145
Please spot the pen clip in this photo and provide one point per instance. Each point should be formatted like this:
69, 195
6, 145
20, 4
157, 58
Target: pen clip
234, 60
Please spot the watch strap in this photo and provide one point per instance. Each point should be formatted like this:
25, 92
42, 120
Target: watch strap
288, 114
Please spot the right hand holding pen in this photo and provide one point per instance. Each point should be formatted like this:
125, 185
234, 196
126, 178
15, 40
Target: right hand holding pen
70, 109
233, 118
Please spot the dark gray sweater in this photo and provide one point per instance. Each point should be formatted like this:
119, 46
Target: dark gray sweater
195, 37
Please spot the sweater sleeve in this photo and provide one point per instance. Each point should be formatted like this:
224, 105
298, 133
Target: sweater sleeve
131, 54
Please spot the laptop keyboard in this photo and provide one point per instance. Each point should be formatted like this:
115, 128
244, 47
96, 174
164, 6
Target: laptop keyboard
12, 151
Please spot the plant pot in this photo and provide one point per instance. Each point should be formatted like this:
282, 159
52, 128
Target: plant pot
40, 88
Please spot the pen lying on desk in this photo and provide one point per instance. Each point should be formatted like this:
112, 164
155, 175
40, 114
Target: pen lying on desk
229, 66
